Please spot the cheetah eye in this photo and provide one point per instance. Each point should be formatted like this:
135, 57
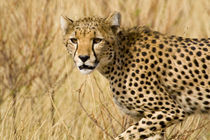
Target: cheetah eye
73, 40
96, 40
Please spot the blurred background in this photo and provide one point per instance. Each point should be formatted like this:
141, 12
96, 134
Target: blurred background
42, 95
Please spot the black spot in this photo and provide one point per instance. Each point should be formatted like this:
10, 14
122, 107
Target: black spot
133, 65
168, 118
149, 123
141, 95
200, 98
188, 100
201, 44
195, 80
180, 39
181, 55
137, 101
170, 74
152, 65
147, 46
206, 102
170, 49
197, 71
179, 62
198, 53
146, 61
153, 49
159, 116
157, 36
207, 108
141, 82
153, 41
196, 63
156, 108
166, 42
144, 53
151, 98
142, 75
191, 84
208, 57
174, 56
204, 66
143, 137
154, 92
160, 53
112, 78
166, 55
153, 128
176, 118
152, 57
193, 48
130, 99
187, 58
119, 85
162, 123
160, 60
205, 49
117, 92
141, 129
158, 68
124, 92
160, 103
149, 115
161, 46
178, 50
145, 38
132, 92
185, 67
206, 76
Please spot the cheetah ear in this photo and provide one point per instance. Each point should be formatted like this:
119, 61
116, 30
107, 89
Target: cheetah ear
65, 22
114, 19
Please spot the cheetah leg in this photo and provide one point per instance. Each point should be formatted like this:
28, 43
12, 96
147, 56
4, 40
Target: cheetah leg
157, 136
152, 126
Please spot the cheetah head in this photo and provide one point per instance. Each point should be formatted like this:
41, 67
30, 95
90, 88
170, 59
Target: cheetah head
90, 40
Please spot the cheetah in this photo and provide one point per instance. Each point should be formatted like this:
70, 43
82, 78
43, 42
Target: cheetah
158, 79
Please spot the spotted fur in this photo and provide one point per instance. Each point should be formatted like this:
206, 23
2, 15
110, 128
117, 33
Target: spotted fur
156, 78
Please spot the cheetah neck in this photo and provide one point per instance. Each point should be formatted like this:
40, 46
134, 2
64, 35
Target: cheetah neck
116, 64
124, 45
107, 69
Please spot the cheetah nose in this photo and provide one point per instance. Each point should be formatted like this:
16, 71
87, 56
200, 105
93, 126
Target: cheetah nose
84, 57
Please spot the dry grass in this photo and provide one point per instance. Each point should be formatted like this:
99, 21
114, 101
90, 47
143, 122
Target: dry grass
43, 97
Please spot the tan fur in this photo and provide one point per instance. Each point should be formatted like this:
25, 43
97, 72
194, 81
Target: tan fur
157, 78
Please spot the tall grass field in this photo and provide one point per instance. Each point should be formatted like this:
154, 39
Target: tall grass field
44, 97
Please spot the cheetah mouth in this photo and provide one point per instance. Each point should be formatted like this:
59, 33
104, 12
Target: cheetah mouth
82, 67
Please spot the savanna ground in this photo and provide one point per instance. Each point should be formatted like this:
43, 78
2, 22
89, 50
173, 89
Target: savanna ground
42, 95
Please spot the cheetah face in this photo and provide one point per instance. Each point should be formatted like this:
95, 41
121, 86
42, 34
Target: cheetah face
85, 46
87, 41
